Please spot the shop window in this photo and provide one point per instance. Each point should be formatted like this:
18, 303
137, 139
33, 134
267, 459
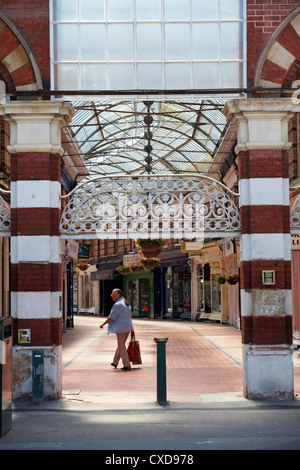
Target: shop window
178, 289
199, 288
169, 292
207, 291
216, 294
87, 293
144, 297
138, 295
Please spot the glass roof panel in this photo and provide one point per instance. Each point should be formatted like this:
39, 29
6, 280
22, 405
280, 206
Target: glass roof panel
135, 137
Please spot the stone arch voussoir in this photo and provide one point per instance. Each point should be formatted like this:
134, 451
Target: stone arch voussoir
279, 63
18, 66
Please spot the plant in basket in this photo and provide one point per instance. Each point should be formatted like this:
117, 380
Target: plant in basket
221, 279
136, 267
149, 247
233, 279
150, 263
124, 269
83, 266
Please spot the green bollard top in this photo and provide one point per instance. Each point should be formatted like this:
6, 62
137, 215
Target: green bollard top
161, 339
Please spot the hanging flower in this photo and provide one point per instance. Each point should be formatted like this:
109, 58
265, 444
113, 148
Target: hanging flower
124, 269
75, 271
82, 266
136, 267
145, 245
221, 279
233, 279
150, 263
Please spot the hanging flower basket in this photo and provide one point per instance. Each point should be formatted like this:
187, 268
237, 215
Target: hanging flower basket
75, 271
149, 247
124, 269
232, 280
136, 267
221, 279
82, 266
150, 263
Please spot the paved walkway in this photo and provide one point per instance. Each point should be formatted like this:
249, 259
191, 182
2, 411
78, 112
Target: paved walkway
203, 359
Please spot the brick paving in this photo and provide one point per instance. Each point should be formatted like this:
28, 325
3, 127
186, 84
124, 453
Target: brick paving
202, 358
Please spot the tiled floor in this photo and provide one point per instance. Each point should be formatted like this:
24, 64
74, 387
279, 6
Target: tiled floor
201, 358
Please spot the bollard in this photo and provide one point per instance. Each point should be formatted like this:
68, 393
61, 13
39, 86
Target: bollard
161, 370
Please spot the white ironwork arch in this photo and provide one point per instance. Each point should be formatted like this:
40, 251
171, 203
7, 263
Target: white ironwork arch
150, 206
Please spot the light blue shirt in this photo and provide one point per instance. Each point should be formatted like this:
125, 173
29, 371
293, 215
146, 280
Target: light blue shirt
120, 315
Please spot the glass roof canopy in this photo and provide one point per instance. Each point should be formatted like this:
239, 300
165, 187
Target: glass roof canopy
142, 137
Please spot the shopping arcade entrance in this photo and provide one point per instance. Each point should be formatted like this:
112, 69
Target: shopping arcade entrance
278, 117
249, 145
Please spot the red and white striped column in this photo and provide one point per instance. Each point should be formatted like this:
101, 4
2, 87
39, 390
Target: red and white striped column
266, 298
35, 255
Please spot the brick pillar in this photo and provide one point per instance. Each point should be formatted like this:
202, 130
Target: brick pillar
266, 309
36, 151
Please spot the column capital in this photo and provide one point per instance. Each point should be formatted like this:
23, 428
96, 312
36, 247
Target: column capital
36, 125
262, 123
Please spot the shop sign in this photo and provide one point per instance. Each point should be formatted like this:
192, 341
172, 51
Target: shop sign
102, 276
295, 242
184, 276
83, 251
73, 249
227, 247
190, 247
268, 277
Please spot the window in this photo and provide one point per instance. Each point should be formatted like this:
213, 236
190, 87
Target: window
157, 44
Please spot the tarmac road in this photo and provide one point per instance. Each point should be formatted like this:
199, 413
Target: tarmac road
229, 422
116, 412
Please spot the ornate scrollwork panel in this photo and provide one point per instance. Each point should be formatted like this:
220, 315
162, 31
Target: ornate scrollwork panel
141, 207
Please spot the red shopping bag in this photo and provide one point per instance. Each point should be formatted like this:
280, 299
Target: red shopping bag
132, 350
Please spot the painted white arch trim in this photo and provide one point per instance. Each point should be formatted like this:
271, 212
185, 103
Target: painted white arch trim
35, 194
37, 249
37, 305
275, 246
264, 192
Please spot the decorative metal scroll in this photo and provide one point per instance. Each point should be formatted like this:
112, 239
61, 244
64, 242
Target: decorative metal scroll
5, 220
147, 207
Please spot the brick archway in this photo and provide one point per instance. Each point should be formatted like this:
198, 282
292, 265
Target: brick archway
280, 61
18, 66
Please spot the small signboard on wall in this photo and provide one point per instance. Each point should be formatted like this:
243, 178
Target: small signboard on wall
24, 336
268, 277
83, 251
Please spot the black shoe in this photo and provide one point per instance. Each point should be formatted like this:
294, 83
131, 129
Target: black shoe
126, 368
114, 365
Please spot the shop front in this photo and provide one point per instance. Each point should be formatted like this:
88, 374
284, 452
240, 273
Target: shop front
210, 300
172, 281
